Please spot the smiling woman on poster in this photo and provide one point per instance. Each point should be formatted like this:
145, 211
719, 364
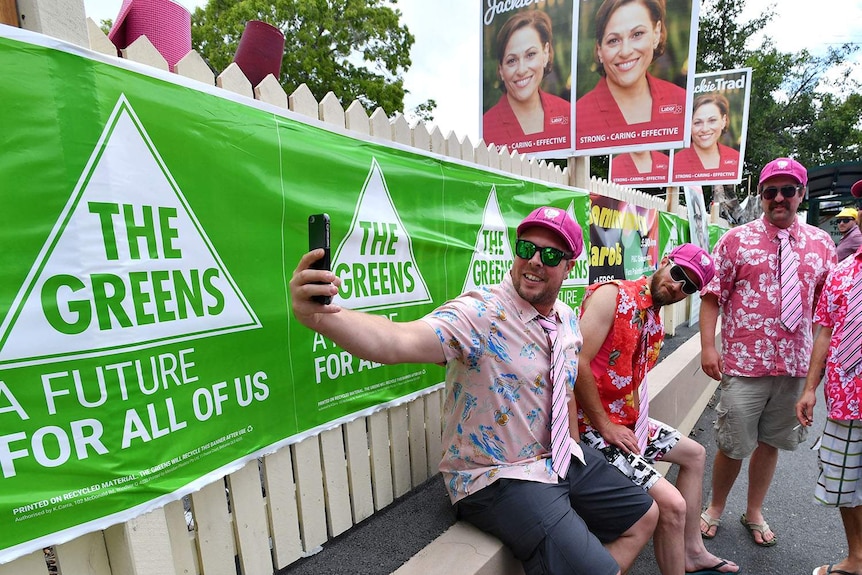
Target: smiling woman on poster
629, 106
707, 157
526, 118
645, 167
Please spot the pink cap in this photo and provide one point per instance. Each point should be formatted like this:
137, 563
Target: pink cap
785, 167
695, 259
559, 221
856, 189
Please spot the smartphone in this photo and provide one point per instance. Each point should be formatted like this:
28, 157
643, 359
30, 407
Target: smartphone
318, 237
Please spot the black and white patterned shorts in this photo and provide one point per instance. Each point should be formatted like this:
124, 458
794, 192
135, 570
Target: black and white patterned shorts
637, 467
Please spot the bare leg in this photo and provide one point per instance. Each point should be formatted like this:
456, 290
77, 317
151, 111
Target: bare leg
724, 472
691, 458
852, 518
761, 468
668, 540
626, 548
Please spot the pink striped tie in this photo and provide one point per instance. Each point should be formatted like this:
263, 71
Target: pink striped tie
562, 444
849, 350
791, 296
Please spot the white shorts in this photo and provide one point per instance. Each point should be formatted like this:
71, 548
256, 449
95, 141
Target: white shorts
840, 460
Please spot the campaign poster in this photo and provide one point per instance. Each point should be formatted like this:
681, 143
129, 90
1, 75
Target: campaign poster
633, 74
719, 124
623, 240
527, 77
641, 169
697, 216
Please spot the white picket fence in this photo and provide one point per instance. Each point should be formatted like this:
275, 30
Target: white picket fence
277, 509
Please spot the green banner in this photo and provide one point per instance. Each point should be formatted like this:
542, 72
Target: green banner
151, 225
715, 232
673, 230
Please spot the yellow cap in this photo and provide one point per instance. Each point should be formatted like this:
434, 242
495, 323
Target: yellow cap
847, 213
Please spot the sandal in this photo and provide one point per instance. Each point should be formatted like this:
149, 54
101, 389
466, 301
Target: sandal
760, 527
710, 523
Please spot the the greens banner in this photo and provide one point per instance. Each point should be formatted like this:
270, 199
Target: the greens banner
623, 239
150, 226
715, 232
673, 231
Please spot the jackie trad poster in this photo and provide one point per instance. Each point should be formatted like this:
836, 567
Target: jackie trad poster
527, 77
634, 74
642, 169
719, 124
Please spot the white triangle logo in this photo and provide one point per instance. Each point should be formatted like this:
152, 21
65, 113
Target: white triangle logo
126, 266
375, 259
492, 256
580, 274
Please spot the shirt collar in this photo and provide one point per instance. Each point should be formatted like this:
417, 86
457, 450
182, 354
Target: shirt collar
772, 230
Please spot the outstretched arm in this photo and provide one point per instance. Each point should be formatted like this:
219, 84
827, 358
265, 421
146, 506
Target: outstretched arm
372, 337
596, 321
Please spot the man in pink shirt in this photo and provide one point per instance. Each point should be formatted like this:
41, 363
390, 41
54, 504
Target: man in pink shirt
840, 481
764, 353
559, 508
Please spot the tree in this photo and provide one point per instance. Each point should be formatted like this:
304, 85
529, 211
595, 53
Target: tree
802, 105
354, 48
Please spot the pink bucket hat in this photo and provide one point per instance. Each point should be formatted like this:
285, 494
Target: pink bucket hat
695, 259
559, 221
785, 167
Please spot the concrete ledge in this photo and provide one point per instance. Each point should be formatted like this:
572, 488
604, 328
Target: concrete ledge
463, 549
679, 392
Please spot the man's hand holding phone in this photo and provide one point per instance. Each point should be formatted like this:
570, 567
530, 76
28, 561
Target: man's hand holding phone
313, 285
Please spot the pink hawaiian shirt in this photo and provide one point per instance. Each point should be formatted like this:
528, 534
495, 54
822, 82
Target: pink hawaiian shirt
754, 343
843, 390
498, 407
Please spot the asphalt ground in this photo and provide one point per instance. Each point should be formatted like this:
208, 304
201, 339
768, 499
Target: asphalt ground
809, 534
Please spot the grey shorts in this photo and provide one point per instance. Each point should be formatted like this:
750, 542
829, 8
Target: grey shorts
637, 467
560, 527
753, 409
840, 459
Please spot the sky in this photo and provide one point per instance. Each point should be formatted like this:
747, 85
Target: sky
446, 53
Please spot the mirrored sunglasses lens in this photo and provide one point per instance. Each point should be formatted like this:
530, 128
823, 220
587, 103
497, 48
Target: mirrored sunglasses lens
843, 220
678, 275
524, 249
789, 191
551, 257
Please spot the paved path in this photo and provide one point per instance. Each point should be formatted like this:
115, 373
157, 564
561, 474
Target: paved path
809, 534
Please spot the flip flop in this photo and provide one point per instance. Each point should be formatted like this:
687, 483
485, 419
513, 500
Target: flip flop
710, 523
714, 570
762, 528
830, 570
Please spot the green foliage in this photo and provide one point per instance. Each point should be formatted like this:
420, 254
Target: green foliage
424, 111
805, 106
354, 48
105, 25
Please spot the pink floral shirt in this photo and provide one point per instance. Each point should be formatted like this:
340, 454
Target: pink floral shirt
843, 390
498, 407
754, 343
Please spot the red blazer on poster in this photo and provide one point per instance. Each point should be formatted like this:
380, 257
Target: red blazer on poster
625, 171
600, 122
501, 127
687, 165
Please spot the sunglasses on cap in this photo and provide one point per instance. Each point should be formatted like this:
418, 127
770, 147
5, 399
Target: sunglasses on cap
677, 274
551, 257
787, 191
844, 220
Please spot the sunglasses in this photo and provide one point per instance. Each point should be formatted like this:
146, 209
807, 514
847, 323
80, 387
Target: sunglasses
843, 220
787, 191
550, 256
678, 275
